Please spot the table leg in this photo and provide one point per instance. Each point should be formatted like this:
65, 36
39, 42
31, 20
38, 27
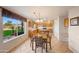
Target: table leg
46, 47
32, 46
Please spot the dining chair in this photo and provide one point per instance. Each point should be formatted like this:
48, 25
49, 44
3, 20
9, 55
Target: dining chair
49, 41
49, 36
39, 43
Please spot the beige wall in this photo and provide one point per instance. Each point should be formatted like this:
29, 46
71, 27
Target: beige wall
5, 47
74, 31
0, 27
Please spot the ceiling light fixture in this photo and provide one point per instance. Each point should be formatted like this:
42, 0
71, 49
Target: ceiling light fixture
38, 17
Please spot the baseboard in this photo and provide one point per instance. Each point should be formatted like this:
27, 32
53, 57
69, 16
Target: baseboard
73, 50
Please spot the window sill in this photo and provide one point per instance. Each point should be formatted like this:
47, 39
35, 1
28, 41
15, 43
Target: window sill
7, 40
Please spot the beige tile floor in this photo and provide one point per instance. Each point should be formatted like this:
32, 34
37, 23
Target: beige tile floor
57, 47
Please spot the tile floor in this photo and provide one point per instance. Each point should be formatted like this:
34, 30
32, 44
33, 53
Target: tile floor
57, 47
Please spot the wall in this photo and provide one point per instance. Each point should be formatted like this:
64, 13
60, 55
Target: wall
74, 31
60, 32
5, 47
0, 29
56, 28
63, 31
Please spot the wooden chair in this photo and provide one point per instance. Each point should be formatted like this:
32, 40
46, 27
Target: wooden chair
49, 41
49, 36
32, 43
39, 43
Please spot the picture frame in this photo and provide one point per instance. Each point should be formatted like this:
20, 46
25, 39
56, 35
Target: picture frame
74, 21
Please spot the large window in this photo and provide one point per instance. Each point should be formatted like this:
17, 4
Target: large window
12, 27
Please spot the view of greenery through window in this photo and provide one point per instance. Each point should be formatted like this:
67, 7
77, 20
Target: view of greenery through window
12, 27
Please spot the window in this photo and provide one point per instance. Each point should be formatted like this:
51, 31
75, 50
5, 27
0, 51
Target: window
12, 27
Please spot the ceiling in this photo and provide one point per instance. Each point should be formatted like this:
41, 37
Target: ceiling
46, 12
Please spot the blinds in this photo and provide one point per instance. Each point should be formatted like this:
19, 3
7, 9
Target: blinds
10, 14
